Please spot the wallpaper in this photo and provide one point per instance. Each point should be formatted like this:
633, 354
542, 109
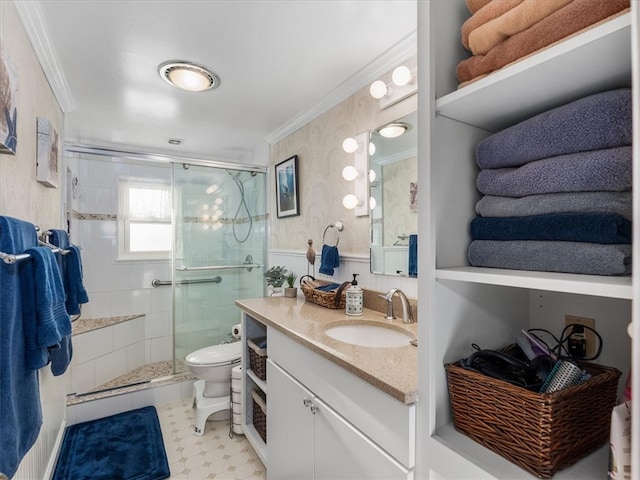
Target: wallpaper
320, 162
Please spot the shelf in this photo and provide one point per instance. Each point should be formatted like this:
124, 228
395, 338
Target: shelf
261, 384
532, 85
600, 286
592, 467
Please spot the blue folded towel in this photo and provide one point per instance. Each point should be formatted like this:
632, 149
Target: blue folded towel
567, 227
413, 255
328, 287
567, 257
618, 203
330, 259
46, 319
75, 292
598, 170
20, 411
595, 122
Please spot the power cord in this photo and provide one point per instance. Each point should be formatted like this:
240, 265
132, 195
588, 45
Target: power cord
564, 348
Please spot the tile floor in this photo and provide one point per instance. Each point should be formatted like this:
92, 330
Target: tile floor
211, 456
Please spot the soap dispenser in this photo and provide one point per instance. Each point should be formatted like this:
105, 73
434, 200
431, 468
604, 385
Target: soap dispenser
354, 303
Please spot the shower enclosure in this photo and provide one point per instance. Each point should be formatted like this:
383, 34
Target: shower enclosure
218, 253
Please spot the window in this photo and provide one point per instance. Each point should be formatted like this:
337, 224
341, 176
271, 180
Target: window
144, 219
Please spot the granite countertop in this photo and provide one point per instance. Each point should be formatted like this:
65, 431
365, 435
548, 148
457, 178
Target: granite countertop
392, 370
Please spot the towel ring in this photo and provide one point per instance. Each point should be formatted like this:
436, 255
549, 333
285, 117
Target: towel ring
338, 226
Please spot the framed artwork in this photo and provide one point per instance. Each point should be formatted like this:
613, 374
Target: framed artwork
47, 154
287, 195
8, 108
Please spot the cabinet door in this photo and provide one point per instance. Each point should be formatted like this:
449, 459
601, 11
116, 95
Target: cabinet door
342, 452
289, 427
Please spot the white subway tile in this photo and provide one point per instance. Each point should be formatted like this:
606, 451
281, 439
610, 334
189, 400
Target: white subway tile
92, 345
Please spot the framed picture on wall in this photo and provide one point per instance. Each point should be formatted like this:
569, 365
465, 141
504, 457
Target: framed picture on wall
47, 152
8, 109
287, 196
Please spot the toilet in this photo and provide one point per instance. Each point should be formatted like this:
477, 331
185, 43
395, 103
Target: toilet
212, 366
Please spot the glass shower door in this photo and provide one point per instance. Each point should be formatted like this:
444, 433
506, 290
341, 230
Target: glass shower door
219, 252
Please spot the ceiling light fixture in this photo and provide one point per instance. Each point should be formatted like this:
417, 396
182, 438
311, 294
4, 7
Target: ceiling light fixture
188, 76
393, 130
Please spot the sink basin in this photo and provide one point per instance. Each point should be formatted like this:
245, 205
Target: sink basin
367, 335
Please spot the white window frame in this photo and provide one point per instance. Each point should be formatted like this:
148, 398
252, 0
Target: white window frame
125, 184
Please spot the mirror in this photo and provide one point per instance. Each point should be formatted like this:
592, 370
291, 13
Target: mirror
394, 218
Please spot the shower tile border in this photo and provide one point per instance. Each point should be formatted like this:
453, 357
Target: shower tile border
84, 325
109, 217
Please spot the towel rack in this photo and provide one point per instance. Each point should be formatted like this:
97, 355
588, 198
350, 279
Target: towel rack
338, 226
161, 283
53, 247
10, 258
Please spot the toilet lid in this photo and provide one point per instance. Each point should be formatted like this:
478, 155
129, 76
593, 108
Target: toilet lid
216, 354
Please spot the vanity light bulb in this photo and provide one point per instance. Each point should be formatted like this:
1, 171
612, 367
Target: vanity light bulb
372, 175
372, 203
401, 76
350, 201
350, 173
372, 149
350, 145
378, 89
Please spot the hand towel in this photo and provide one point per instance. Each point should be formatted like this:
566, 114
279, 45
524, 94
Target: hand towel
61, 356
487, 13
529, 12
330, 259
566, 257
567, 227
618, 203
46, 319
594, 122
20, 410
569, 20
59, 238
75, 293
413, 255
598, 170
475, 5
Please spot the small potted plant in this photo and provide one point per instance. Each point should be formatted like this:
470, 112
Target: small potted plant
291, 291
275, 278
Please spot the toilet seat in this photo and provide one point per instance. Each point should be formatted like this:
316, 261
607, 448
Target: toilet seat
223, 354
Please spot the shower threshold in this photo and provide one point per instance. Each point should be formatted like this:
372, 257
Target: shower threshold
148, 376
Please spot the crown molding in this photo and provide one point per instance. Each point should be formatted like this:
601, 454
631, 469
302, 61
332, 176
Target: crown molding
31, 17
400, 52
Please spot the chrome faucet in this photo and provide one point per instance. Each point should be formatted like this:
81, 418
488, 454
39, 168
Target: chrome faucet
407, 314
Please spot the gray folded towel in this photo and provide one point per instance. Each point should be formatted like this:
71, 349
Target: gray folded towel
598, 170
590, 123
567, 257
618, 203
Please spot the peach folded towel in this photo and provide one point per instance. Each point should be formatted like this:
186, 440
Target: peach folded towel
475, 5
570, 19
489, 12
516, 20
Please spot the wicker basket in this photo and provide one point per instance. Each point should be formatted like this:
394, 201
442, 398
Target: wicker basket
542, 433
334, 300
257, 358
260, 414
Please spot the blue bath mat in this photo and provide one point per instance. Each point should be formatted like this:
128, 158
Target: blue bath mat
125, 446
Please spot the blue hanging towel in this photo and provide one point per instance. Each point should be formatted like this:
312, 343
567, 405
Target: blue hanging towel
20, 411
330, 259
74, 289
413, 255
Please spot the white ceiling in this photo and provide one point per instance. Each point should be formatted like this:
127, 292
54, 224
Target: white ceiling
281, 63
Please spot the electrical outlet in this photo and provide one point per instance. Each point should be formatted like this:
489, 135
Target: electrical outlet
589, 336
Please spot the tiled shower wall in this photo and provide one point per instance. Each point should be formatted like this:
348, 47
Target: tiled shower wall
116, 288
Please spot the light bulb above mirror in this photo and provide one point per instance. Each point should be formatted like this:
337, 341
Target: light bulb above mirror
350, 201
404, 84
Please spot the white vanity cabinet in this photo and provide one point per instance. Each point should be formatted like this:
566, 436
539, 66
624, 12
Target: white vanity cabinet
462, 304
310, 440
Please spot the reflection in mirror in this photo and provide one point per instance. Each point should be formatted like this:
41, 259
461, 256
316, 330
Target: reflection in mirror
394, 191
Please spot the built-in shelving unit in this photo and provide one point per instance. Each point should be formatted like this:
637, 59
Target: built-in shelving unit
464, 304
251, 329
